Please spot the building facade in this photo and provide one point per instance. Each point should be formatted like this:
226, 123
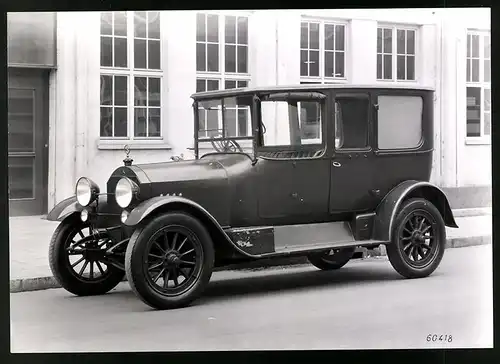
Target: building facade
82, 85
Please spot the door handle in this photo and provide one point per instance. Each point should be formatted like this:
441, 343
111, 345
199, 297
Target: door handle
336, 164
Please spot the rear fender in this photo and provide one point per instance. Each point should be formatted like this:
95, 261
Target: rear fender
387, 209
160, 204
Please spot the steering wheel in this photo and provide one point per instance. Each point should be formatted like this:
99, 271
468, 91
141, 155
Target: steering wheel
224, 146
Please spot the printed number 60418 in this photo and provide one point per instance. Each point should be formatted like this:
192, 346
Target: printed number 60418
439, 338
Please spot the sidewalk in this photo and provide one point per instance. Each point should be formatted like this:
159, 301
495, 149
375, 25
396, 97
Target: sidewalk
30, 237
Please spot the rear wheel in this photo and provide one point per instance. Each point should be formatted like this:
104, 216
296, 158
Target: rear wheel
418, 239
331, 259
76, 259
169, 260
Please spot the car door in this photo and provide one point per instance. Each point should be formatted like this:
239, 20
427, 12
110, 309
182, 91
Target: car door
351, 167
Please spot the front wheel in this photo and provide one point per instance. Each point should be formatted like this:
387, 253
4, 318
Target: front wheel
77, 260
169, 260
418, 239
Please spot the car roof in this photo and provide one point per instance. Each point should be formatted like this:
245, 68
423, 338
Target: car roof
302, 87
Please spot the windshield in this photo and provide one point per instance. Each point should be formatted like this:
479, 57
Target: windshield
224, 125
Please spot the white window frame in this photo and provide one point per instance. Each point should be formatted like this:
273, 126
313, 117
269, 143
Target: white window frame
222, 76
482, 138
130, 72
322, 79
394, 55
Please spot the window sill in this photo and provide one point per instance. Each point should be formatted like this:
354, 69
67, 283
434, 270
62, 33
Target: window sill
477, 141
133, 145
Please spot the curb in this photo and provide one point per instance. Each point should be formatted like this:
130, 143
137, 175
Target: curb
42, 283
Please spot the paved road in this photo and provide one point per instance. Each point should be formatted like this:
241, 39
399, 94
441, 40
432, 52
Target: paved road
364, 305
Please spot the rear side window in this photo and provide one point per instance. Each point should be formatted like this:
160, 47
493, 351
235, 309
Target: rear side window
399, 122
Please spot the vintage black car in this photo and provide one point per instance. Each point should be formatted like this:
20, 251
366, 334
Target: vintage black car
311, 170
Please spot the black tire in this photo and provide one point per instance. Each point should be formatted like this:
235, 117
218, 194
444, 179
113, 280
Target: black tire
405, 242
139, 269
64, 273
326, 261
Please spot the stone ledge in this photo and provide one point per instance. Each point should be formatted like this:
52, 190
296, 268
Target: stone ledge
41, 283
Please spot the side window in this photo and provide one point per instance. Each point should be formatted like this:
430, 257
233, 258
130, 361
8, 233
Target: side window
399, 122
351, 122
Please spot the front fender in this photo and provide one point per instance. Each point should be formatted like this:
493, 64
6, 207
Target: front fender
389, 206
64, 209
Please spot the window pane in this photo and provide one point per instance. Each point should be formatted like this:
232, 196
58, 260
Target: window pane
243, 122
121, 52
230, 29
387, 67
392, 133
154, 122
304, 35
329, 71
106, 23
140, 122
314, 65
200, 57
154, 55
140, 91
475, 46
339, 64
21, 177
121, 23
230, 84
379, 66
410, 67
339, 37
200, 27
314, 36
475, 70
201, 85
303, 63
213, 123
21, 120
473, 111
401, 41
140, 24
106, 122
242, 83
154, 25
106, 52
212, 85
469, 45
487, 71
400, 67
230, 120
230, 58
354, 122
487, 123
329, 36
379, 40
120, 122
213, 57
106, 90
387, 41
487, 99
139, 53
487, 47
242, 30
121, 90
242, 59
410, 42
212, 28
310, 120
154, 98
468, 70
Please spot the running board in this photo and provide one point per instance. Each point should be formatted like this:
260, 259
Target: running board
267, 241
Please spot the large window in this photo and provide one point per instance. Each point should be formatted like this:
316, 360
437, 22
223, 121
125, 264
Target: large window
222, 63
478, 76
396, 53
131, 75
322, 51
351, 122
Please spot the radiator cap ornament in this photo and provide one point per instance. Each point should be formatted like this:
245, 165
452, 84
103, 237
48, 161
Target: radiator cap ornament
127, 161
